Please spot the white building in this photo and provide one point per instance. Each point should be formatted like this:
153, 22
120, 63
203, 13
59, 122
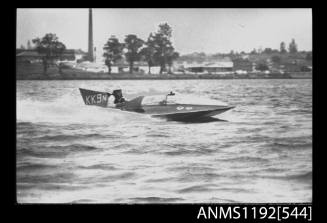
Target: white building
79, 54
219, 67
153, 70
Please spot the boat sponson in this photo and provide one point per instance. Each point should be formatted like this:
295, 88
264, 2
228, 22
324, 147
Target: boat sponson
194, 114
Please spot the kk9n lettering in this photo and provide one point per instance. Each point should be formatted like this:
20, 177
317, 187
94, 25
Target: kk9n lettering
96, 99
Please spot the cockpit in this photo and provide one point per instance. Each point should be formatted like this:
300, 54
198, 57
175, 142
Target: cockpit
158, 99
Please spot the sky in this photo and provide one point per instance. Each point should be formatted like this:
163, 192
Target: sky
194, 30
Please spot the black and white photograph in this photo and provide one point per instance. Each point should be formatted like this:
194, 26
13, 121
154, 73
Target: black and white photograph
163, 105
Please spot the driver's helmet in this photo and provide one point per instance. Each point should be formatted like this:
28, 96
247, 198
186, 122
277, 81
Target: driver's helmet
118, 93
118, 96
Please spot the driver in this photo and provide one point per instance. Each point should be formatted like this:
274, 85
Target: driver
119, 99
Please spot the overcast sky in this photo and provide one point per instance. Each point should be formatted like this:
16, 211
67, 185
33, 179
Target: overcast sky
194, 30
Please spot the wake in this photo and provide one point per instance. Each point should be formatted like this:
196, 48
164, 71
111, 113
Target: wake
67, 109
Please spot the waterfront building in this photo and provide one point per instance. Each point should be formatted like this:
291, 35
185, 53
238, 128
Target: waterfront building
218, 67
138, 67
28, 56
32, 56
80, 55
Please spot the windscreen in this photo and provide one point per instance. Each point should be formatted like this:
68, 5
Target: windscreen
192, 99
153, 100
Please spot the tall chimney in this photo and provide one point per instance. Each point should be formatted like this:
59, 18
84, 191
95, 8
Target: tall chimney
90, 49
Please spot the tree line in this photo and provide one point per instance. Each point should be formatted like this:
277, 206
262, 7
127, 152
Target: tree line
292, 48
156, 50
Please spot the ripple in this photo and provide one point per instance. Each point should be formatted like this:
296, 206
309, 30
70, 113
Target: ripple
99, 166
156, 199
154, 135
55, 151
246, 159
60, 177
198, 188
194, 177
300, 177
183, 151
83, 201
27, 167
291, 145
235, 190
68, 137
158, 180
123, 176
49, 186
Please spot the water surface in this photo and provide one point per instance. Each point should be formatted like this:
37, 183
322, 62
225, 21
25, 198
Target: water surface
260, 152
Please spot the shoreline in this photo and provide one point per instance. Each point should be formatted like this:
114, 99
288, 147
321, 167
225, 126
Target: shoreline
35, 72
62, 79
101, 76
161, 78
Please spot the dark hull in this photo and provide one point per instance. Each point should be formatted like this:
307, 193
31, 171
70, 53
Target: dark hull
193, 115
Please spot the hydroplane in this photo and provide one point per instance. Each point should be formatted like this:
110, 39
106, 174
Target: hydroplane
170, 106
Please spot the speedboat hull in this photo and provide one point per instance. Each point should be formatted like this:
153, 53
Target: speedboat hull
181, 112
156, 107
192, 115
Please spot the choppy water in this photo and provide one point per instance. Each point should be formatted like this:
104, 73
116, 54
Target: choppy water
69, 152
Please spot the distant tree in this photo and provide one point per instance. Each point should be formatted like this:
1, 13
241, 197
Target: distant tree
292, 47
282, 47
275, 51
254, 51
260, 50
165, 30
268, 51
113, 51
162, 45
133, 45
22, 47
29, 45
217, 55
262, 67
51, 50
148, 52
231, 52
276, 59
308, 56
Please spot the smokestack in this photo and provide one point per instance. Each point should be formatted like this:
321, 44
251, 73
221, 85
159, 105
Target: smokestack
90, 49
